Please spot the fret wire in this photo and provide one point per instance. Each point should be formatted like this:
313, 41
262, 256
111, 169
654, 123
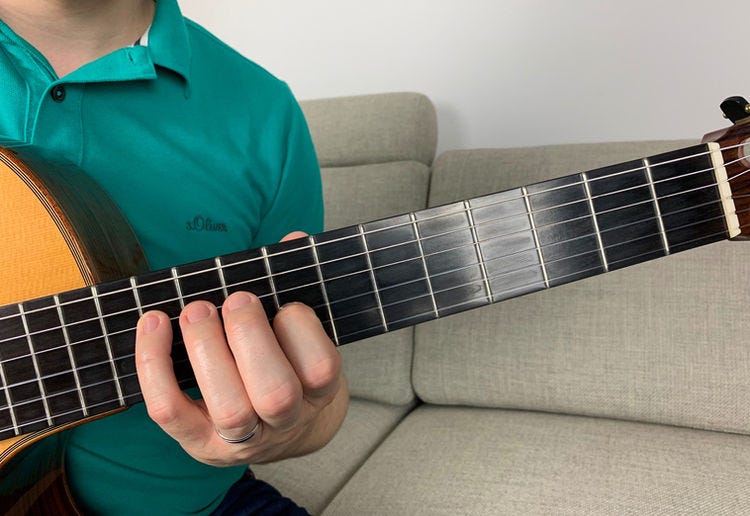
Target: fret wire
535, 235
535, 212
595, 221
478, 249
525, 286
494, 220
132, 354
374, 281
222, 279
136, 296
94, 405
494, 238
11, 409
107, 343
657, 209
177, 286
675, 194
34, 361
413, 219
514, 199
602, 212
69, 347
271, 283
454, 248
550, 262
458, 269
323, 289
678, 193
87, 366
521, 287
455, 305
489, 221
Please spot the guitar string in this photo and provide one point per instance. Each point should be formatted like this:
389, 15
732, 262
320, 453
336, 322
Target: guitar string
188, 380
109, 404
317, 283
442, 215
391, 264
686, 158
138, 395
458, 211
461, 211
335, 320
505, 294
432, 236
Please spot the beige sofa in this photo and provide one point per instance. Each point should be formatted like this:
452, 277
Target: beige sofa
628, 393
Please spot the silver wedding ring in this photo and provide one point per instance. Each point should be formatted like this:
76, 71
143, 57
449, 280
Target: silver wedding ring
240, 439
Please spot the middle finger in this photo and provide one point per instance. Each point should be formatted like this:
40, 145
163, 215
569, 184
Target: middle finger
215, 370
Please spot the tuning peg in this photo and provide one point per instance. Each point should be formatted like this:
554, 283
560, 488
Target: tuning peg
735, 108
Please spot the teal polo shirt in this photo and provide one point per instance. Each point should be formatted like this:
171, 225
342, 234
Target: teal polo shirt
206, 153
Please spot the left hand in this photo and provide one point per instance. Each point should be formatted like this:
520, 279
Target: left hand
285, 378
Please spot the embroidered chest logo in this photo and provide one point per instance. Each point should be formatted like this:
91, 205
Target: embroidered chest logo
201, 223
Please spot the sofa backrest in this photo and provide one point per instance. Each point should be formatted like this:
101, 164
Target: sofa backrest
375, 153
663, 341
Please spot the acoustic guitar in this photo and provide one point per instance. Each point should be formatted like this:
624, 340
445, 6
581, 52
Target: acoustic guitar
75, 282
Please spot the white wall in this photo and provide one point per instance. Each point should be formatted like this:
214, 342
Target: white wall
508, 72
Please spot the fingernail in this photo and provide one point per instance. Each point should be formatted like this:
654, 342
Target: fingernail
197, 312
290, 304
237, 300
149, 323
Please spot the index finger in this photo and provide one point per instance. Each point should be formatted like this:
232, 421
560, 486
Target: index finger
166, 403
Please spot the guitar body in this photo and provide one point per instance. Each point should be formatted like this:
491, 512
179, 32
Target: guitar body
59, 232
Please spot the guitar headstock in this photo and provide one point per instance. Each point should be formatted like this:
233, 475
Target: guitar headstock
735, 149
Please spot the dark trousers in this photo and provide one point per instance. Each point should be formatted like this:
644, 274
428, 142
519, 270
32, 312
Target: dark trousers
250, 496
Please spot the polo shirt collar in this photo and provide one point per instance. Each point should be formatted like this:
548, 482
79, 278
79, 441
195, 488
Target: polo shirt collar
168, 47
168, 41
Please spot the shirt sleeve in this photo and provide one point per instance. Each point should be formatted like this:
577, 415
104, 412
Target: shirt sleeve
298, 201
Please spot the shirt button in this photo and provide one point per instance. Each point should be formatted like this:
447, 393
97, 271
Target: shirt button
58, 93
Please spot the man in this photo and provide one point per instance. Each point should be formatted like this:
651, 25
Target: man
178, 128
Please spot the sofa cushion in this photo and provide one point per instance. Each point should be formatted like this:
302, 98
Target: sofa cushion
372, 128
443, 460
363, 193
663, 341
313, 480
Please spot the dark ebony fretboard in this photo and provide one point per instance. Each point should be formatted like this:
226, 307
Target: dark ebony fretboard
67, 357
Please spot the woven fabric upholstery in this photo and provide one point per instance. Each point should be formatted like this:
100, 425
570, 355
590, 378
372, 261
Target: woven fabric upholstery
446, 461
312, 481
372, 129
363, 193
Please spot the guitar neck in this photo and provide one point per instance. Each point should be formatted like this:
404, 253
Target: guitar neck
69, 357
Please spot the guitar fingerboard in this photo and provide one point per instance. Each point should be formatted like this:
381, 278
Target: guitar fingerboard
71, 356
